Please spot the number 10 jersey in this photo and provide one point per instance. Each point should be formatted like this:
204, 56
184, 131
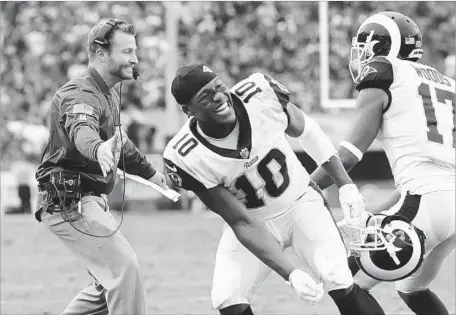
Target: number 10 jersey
263, 172
418, 127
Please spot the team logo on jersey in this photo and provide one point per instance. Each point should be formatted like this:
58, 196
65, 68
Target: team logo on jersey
175, 178
244, 153
172, 174
172, 168
251, 162
367, 70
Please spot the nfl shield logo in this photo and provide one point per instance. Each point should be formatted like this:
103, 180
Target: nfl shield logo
244, 153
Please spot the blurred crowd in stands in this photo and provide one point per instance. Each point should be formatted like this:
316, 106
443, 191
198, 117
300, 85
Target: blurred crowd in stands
43, 45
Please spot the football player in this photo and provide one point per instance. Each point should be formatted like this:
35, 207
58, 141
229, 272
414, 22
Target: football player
233, 153
409, 107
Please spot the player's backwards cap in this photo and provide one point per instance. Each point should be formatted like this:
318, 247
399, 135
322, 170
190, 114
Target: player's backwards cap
189, 80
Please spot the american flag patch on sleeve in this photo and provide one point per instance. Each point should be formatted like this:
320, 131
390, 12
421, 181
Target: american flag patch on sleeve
82, 109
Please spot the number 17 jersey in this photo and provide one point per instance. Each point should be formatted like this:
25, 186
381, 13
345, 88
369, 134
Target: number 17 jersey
263, 172
418, 126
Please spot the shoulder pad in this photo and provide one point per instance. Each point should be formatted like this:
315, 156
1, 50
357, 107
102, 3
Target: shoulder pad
281, 91
268, 85
376, 74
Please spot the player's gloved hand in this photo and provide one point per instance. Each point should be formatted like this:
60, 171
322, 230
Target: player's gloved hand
159, 179
352, 203
305, 287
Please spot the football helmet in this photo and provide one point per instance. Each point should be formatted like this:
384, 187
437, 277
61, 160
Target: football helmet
385, 34
388, 247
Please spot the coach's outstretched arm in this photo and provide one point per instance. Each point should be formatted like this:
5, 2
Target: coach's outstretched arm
368, 118
257, 239
249, 231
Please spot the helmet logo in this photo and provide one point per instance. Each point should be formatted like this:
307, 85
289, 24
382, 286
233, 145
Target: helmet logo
418, 44
372, 43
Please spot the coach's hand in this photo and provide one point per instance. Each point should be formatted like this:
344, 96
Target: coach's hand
106, 153
159, 179
117, 146
305, 287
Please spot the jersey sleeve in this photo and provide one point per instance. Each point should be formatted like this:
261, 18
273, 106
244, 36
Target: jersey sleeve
189, 171
181, 178
280, 91
276, 95
80, 108
376, 74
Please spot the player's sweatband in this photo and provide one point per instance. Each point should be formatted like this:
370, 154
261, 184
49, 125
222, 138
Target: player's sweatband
315, 142
354, 150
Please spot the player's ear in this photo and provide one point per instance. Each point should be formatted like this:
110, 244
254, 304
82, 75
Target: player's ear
187, 110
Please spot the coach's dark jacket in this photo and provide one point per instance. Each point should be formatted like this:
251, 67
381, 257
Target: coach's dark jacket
83, 115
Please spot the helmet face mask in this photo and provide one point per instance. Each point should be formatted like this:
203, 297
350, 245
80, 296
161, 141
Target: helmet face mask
387, 34
361, 53
387, 248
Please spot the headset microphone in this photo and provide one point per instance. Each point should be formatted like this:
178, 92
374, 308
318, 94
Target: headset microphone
135, 73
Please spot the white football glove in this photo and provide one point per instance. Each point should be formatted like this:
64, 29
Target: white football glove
305, 287
352, 203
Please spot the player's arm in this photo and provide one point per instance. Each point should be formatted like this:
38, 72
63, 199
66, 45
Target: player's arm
254, 236
364, 129
221, 201
317, 144
251, 233
373, 100
313, 140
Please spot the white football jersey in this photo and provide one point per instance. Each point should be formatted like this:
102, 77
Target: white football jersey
418, 127
263, 172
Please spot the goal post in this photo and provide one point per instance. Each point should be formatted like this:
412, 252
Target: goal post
325, 79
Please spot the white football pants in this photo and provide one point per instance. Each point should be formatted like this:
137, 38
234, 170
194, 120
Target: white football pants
308, 227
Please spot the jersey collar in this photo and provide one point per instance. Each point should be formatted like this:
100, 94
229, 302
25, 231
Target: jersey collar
99, 80
244, 145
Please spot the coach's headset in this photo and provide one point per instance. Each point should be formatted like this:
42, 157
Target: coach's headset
102, 40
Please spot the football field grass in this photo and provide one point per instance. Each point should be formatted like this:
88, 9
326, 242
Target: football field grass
176, 252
